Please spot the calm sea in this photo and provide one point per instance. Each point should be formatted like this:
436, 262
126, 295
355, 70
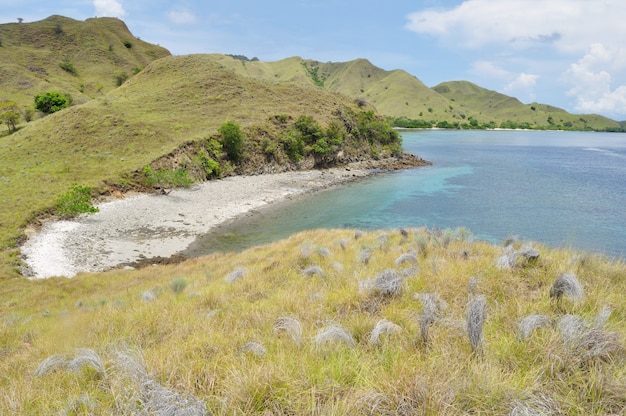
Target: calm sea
559, 188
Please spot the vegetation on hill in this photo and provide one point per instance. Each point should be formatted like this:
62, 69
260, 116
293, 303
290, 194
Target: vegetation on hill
160, 129
83, 59
409, 103
404, 322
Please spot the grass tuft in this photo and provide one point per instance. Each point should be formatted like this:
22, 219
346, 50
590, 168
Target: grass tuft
236, 274
530, 323
291, 326
566, 285
383, 327
475, 319
314, 271
334, 334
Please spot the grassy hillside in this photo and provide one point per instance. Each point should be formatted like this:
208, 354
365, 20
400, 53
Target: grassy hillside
486, 105
96, 53
174, 103
398, 94
326, 322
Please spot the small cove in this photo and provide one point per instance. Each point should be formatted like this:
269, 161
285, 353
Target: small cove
564, 189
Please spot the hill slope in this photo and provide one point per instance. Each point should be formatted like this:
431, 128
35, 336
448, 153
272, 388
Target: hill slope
96, 53
486, 105
401, 95
168, 116
325, 322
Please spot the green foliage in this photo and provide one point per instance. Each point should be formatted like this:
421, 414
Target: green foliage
51, 102
127, 44
232, 140
313, 71
408, 123
293, 145
167, 178
120, 77
9, 115
75, 202
209, 165
68, 67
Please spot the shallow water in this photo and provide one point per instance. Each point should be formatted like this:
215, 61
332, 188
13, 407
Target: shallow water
558, 188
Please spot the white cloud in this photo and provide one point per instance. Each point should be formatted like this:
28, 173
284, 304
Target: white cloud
592, 82
181, 17
568, 25
522, 82
488, 69
110, 8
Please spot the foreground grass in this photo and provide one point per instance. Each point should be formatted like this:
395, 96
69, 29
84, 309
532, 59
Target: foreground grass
325, 322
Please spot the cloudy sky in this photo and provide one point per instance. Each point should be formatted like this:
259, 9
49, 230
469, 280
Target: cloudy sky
568, 53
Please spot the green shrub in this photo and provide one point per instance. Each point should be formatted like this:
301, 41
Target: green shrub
293, 145
208, 165
167, 178
9, 115
75, 202
127, 44
68, 67
51, 102
120, 78
232, 140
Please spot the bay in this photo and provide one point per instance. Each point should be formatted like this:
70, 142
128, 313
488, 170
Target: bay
564, 189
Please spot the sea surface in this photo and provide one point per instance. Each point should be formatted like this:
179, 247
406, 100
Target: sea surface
564, 189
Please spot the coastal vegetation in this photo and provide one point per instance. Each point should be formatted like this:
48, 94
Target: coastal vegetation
410, 321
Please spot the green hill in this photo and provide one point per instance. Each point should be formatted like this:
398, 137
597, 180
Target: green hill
398, 94
487, 105
167, 117
85, 59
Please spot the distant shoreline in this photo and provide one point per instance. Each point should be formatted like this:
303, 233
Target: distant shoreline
148, 229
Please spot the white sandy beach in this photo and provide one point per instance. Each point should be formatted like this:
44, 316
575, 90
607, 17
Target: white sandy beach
146, 226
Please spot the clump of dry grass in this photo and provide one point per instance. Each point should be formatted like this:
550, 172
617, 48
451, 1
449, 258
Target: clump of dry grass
530, 323
410, 258
152, 397
566, 285
334, 334
314, 271
236, 274
475, 319
253, 347
291, 326
432, 311
383, 327
387, 283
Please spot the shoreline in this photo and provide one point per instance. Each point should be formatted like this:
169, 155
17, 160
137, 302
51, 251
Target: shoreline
147, 229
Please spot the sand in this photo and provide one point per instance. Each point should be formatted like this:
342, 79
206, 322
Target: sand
146, 226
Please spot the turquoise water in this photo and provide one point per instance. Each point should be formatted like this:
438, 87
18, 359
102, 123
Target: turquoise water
558, 188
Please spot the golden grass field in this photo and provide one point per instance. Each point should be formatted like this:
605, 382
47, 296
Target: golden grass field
326, 322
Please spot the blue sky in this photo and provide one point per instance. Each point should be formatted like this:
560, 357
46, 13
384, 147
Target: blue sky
567, 53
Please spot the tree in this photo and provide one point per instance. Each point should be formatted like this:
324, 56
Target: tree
51, 101
232, 140
9, 114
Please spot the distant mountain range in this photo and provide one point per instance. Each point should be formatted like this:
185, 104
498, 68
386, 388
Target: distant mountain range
399, 94
91, 58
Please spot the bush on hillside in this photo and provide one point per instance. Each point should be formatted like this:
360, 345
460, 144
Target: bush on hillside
51, 101
9, 114
75, 202
232, 140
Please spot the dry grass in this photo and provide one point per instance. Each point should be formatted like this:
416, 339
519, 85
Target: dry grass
278, 342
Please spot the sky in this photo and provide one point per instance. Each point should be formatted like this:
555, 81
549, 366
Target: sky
566, 53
